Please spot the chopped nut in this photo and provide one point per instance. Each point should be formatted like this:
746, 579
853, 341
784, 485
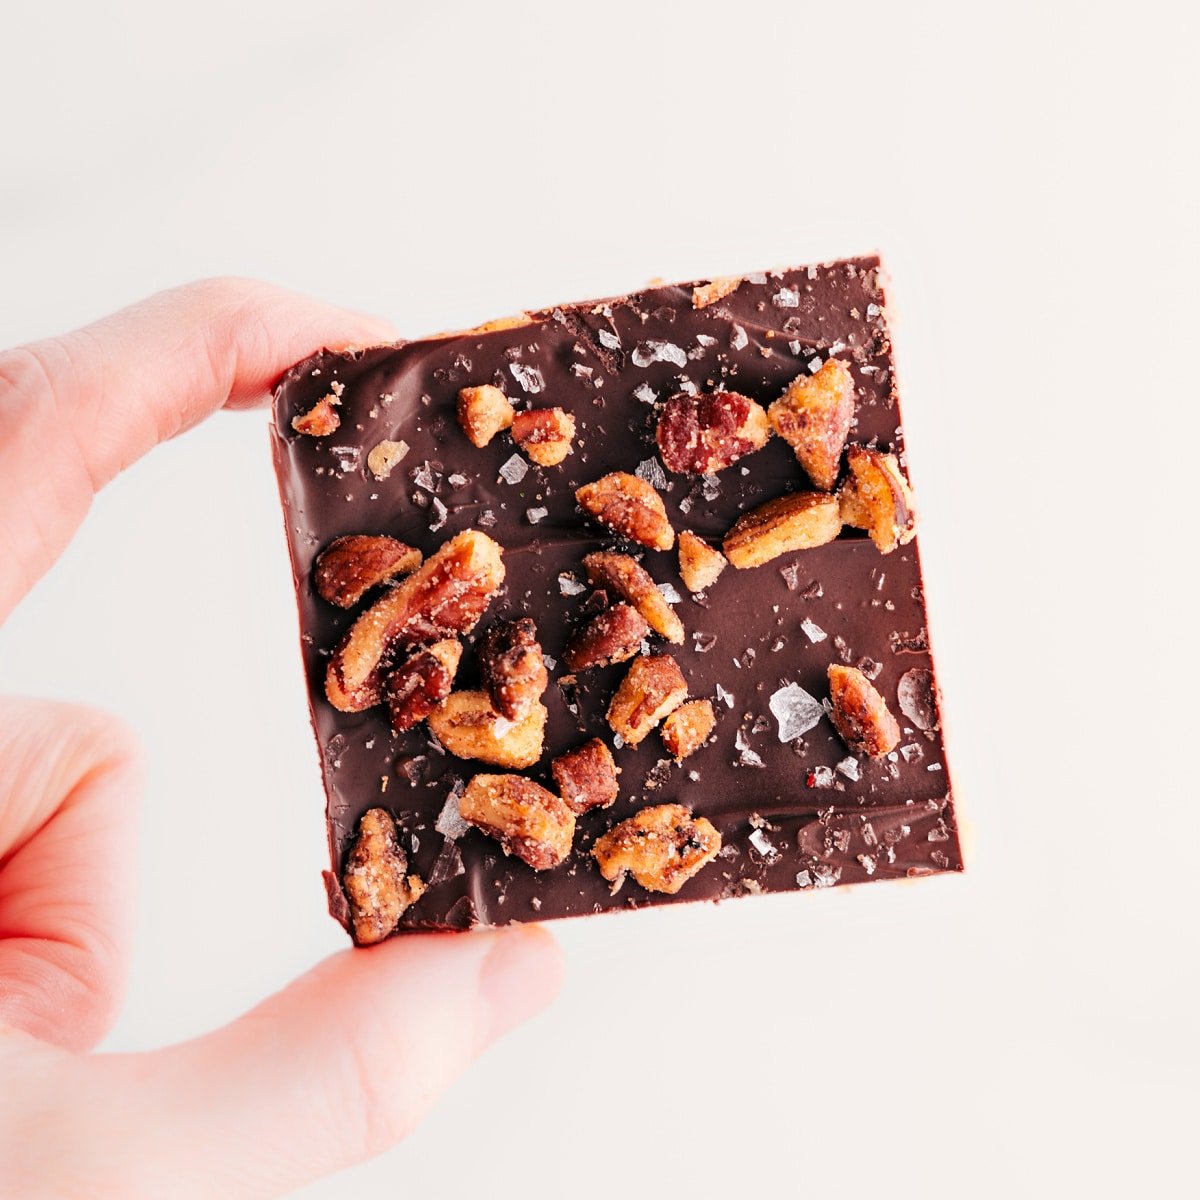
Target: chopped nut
717, 289
688, 728
629, 579
420, 683
797, 521
351, 566
512, 667
652, 688
876, 498
377, 890
661, 847
813, 416
382, 459
544, 434
587, 776
860, 714
631, 507
446, 595
321, 420
613, 636
469, 727
498, 323
527, 820
707, 432
699, 564
483, 412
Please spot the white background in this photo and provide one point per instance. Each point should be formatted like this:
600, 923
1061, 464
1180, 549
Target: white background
1030, 174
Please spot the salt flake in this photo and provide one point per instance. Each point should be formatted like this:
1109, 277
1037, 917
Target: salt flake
514, 470
650, 469
653, 351
795, 710
530, 378
813, 631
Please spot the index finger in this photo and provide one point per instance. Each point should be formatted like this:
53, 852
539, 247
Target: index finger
76, 409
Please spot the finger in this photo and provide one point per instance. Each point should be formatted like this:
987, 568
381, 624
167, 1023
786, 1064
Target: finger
77, 409
336, 1068
70, 781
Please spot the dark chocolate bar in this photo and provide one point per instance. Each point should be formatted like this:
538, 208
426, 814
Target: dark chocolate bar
807, 778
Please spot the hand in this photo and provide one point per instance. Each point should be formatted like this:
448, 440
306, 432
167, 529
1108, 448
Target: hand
347, 1059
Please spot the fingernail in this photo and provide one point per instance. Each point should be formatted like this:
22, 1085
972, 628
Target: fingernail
521, 975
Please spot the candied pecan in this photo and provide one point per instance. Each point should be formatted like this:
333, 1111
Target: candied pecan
652, 688
699, 564
544, 434
707, 432
587, 776
527, 820
688, 728
469, 727
631, 507
717, 289
876, 498
377, 889
446, 594
797, 521
351, 566
631, 581
384, 456
661, 847
860, 714
321, 420
421, 682
512, 668
483, 412
612, 637
813, 416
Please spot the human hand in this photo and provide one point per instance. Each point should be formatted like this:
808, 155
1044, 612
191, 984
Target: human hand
343, 1062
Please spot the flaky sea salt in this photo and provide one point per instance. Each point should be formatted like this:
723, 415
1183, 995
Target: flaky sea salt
437, 515
653, 351
825, 875
814, 364
534, 515
803, 879
568, 585
608, 339
822, 777
456, 480
813, 631
737, 337
514, 469
848, 767
450, 822
786, 298
645, 393
912, 753
795, 710
764, 846
669, 594
747, 757
424, 477
651, 470
530, 378
725, 697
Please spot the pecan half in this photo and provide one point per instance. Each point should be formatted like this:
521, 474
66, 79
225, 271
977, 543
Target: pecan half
652, 688
707, 432
699, 564
631, 581
512, 668
446, 594
717, 289
321, 420
587, 776
420, 683
351, 566
613, 636
797, 521
544, 434
876, 498
860, 714
528, 821
469, 727
629, 506
688, 728
377, 889
483, 412
661, 847
813, 416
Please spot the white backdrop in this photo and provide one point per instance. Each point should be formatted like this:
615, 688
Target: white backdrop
1030, 174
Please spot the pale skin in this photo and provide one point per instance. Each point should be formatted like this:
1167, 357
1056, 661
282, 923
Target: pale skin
343, 1062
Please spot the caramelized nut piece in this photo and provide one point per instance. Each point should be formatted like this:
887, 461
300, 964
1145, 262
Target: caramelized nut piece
349, 567
652, 688
629, 506
860, 714
688, 728
707, 432
527, 820
469, 727
447, 594
382, 459
376, 887
717, 289
699, 564
512, 668
544, 434
613, 636
661, 847
813, 416
321, 420
876, 498
416, 687
797, 521
587, 776
483, 412
631, 581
